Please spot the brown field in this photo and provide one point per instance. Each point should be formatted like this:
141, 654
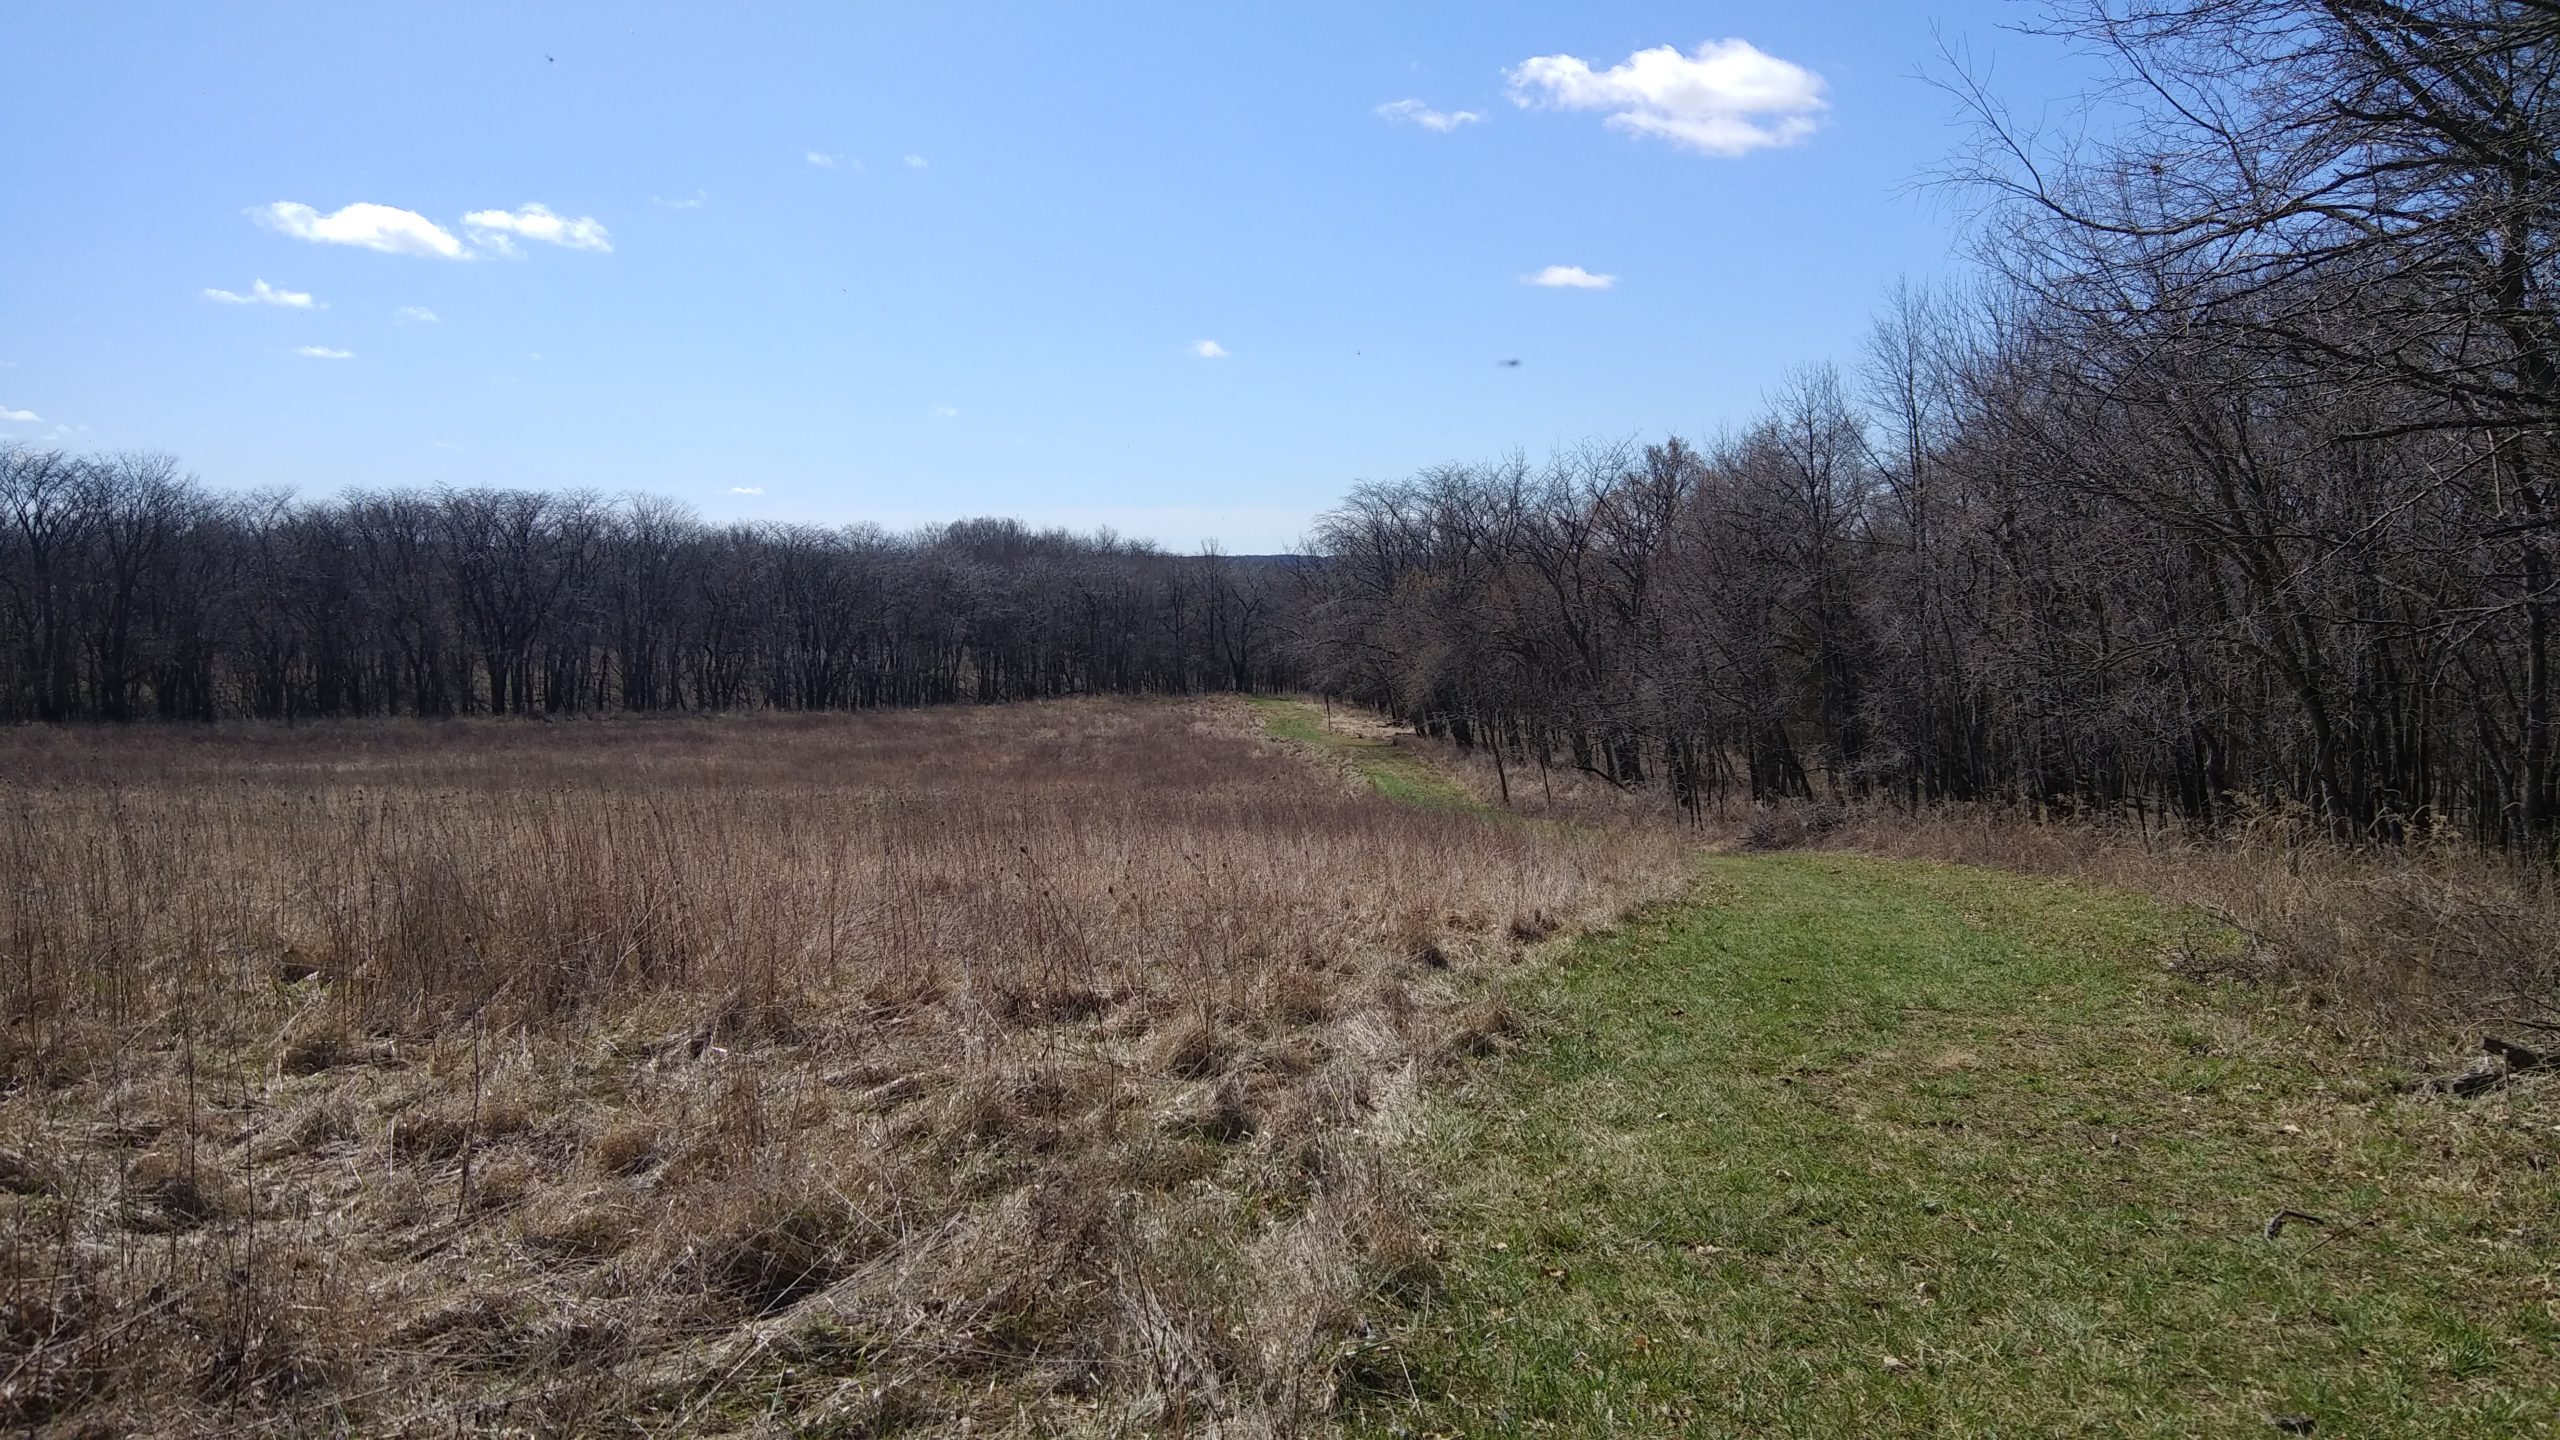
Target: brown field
1017, 1071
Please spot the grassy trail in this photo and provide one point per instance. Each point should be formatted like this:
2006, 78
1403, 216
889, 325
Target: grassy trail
1863, 1147
1854, 1147
1392, 770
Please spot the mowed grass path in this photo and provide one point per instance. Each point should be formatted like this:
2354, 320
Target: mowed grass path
1393, 771
1855, 1147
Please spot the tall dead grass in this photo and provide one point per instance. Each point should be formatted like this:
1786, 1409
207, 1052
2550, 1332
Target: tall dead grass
1017, 1070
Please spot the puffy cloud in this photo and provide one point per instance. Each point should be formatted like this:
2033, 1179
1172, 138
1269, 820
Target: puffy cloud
946, 412
746, 489
416, 315
1416, 113
915, 162
1569, 277
1209, 350
496, 229
263, 293
825, 161
20, 417
1726, 98
323, 352
373, 227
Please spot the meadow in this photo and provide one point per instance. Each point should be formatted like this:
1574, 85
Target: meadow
1223, 1068
1022, 1070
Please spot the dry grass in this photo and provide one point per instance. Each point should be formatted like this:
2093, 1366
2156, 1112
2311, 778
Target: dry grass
1020, 1071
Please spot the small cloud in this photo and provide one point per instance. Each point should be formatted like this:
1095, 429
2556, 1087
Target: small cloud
945, 412
694, 202
825, 161
323, 352
746, 489
20, 417
263, 293
1208, 349
915, 162
496, 229
1414, 112
371, 227
1726, 98
1569, 277
416, 315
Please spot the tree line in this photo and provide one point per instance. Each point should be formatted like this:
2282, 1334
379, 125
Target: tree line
129, 591
2227, 486
2224, 485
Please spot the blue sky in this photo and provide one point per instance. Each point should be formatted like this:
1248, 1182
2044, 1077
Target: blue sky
903, 263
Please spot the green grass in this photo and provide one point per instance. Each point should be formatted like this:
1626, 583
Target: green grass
1855, 1147
1397, 773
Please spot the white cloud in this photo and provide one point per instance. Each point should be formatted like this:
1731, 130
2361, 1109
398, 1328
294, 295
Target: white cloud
263, 293
746, 489
1726, 98
495, 229
825, 161
416, 315
1569, 277
1209, 350
20, 417
946, 412
692, 202
915, 162
373, 227
1440, 121
323, 352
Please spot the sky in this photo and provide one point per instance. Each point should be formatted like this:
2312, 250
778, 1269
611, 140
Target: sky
1189, 271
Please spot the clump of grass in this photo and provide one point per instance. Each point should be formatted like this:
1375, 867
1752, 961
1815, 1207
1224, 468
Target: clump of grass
925, 1069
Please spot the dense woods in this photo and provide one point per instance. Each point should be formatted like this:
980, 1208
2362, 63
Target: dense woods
129, 591
2229, 487
2226, 486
